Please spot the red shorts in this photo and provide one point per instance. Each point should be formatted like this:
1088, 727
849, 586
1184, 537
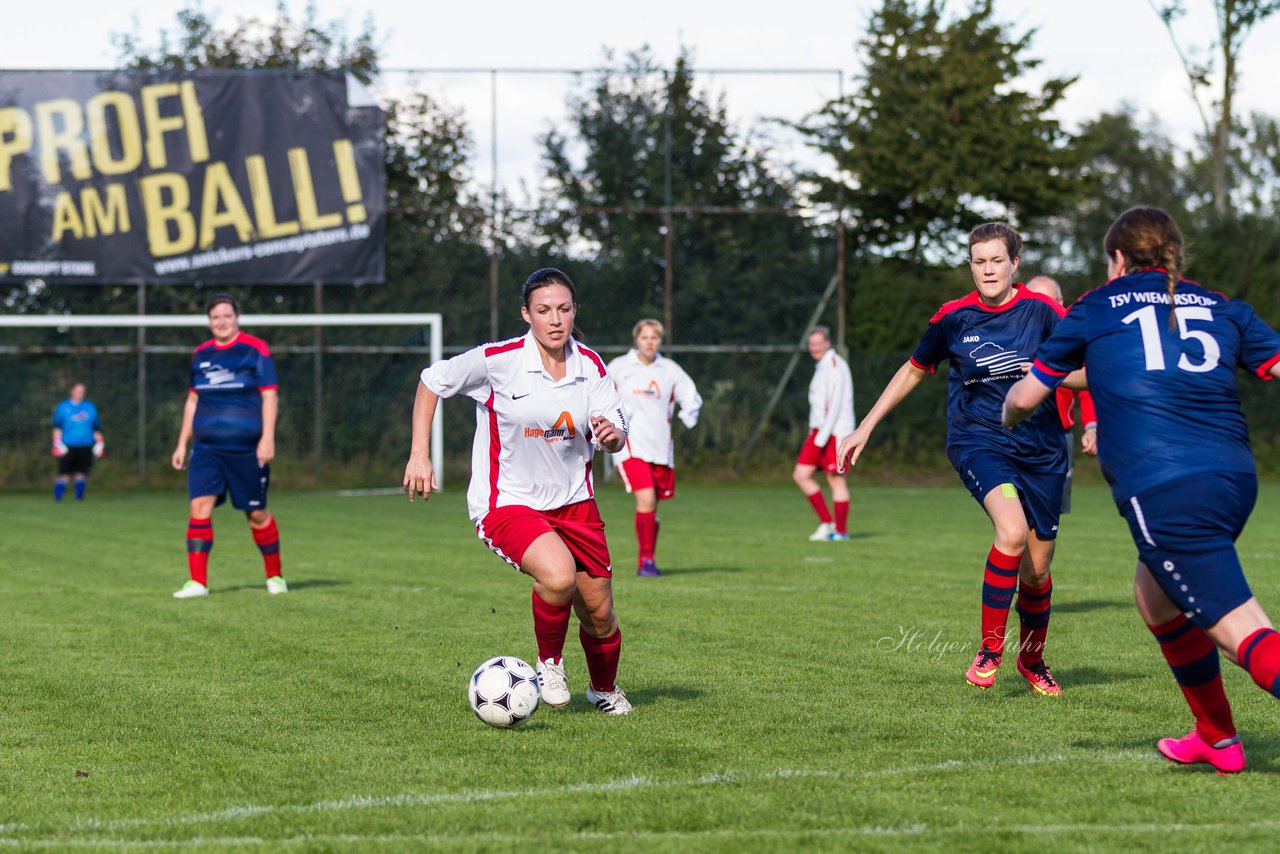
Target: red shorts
823, 458
642, 474
509, 531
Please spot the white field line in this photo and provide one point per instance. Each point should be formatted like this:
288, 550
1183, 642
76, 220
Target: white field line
360, 802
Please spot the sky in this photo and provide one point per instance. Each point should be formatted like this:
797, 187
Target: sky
1118, 49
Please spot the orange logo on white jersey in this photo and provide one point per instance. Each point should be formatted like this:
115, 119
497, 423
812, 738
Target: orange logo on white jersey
561, 430
651, 390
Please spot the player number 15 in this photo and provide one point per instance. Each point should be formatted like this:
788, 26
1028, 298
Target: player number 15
1154, 352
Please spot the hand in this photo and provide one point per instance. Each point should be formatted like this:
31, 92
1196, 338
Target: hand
179, 458
59, 449
607, 435
99, 448
266, 450
420, 479
850, 449
1089, 441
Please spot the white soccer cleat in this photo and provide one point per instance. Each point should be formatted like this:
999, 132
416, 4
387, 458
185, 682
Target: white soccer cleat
276, 585
824, 532
553, 685
610, 702
190, 590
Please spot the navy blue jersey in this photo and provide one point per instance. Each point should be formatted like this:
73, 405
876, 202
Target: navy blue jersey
78, 422
229, 380
988, 348
1166, 399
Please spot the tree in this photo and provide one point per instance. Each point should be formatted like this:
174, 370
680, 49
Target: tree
1235, 20
942, 135
646, 139
281, 42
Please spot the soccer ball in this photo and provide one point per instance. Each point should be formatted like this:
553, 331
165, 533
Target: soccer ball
503, 691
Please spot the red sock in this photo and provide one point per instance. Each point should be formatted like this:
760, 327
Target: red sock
1033, 619
1193, 658
550, 625
820, 507
199, 544
842, 517
268, 540
998, 584
1260, 655
602, 658
646, 533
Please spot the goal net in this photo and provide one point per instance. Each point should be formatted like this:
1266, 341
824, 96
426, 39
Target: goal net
347, 384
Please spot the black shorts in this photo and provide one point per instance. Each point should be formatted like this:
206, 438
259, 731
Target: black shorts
76, 461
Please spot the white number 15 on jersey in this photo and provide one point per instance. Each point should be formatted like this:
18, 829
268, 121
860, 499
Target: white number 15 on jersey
1154, 353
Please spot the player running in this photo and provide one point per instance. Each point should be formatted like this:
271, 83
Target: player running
1173, 445
1016, 476
231, 412
77, 440
651, 386
544, 403
830, 416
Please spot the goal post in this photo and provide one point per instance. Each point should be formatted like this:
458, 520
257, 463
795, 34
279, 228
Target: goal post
432, 323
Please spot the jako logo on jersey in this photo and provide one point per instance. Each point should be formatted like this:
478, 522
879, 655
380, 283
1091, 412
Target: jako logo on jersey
561, 430
996, 359
970, 339
651, 390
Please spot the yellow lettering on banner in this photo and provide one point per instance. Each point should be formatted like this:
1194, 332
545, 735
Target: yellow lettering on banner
105, 217
66, 138
130, 133
15, 139
348, 179
197, 138
157, 125
66, 217
264, 206
304, 190
160, 212
222, 206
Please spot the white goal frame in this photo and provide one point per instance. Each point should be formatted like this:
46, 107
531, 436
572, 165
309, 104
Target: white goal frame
432, 321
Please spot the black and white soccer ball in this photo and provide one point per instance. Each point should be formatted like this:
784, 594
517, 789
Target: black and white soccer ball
503, 691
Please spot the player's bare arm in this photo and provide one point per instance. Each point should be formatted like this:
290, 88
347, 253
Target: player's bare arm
902, 384
419, 475
179, 458
270, 411
1026, 394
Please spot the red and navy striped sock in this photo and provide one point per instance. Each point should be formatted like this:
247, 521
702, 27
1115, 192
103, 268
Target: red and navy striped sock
842, 517
602, 658
647, 533
268, 539
1033, 618
820, 507
199, 544
1260, 655
998, 584
550, 625
1193, 658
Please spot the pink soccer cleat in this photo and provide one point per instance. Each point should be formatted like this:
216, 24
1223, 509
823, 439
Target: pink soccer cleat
982, 673
1041, 680
1191, 748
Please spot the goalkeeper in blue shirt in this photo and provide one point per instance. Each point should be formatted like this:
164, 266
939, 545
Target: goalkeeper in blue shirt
77, 440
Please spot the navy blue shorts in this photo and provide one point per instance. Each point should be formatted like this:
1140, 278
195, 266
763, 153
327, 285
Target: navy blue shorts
1186, 531
1039, 492
218, 472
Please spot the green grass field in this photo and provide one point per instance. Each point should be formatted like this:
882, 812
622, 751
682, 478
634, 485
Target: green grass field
777, 704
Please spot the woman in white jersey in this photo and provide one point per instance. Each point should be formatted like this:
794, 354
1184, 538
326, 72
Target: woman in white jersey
651, 386
544, 403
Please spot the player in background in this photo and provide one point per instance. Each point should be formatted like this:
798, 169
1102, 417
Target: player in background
1016, 476
1066, 400
830, 416
544, 403
77, 440
231, 413
651, 386
1173, 445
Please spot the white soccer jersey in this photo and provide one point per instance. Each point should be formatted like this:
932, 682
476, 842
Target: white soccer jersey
831, 398
533, 443
649, 394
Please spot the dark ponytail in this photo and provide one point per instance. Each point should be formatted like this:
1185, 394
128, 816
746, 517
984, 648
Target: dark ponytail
1148, 237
